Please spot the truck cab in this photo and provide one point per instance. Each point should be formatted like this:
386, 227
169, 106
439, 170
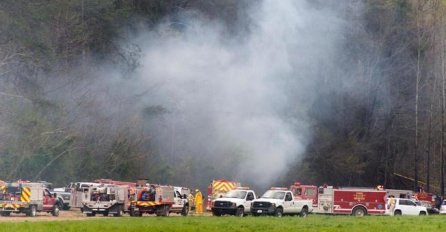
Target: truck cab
280, 201
181, 203
235, 202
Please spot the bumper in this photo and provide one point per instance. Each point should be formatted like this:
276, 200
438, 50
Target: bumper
221, 210
263, 211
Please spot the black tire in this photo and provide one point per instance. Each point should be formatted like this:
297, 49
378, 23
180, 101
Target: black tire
215, 213
91, 214
423, 213
56, 210
304, 212
119, 213
359, 212
279, 212
397, 213
240, 212
255, 214
185, 210
105, 214
163, 211
32, 211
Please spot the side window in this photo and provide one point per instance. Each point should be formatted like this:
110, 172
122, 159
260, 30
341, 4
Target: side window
403, 202
309, 192
288, 197
250, 196
177, 194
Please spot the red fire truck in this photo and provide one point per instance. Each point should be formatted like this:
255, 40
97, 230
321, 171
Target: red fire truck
354, 201
217, 188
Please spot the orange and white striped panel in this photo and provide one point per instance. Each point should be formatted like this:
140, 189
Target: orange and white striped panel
26, 194
223, 185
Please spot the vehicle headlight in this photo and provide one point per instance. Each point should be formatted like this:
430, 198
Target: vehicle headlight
273, 205
234, 204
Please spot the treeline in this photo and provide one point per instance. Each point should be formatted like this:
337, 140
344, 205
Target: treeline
392, 132
388, 129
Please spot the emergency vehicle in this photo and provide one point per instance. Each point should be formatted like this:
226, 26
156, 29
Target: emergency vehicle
235, 202
181, 203
280, 201
217, 188
106, 199
354, 201
28, 198
152, 199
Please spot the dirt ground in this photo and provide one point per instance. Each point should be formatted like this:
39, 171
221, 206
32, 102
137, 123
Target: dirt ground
65, 215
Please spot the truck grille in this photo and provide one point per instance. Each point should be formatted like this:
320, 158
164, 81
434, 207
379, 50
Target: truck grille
222, 204
261, 204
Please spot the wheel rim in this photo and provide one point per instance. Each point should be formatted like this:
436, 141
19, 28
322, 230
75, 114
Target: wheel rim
33, 211
359, 212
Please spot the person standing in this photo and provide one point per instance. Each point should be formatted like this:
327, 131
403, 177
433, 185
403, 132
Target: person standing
198, 202
392, 204
191, 200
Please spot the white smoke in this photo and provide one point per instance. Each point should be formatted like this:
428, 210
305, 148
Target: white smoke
238, 102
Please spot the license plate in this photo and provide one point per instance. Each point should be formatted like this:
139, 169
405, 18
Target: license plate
259, 211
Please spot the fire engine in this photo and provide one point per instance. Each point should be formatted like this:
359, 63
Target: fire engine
217, 188
106, 199
28, 198
152, 199
354, 201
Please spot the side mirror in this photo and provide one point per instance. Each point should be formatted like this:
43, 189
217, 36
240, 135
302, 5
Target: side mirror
54, 195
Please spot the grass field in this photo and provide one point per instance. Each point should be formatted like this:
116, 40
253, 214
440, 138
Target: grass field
251, 224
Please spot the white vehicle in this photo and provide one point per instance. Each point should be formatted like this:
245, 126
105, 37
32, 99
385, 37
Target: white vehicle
235, 202
443, 207
106, 199
181, 203
280, 201
407, 207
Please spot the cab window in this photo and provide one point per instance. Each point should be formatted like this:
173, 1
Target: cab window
288, 197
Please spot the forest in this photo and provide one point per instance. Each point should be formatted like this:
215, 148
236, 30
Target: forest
349, 93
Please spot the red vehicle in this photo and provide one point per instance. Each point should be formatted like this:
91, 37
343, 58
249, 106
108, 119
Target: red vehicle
354, 201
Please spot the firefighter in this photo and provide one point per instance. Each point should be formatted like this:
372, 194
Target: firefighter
392, 204
198, 202
191, 200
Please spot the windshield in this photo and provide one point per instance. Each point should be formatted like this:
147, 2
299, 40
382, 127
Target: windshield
271, 194
235, 194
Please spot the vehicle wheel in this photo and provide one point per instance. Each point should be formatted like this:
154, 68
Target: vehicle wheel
240, 212
304, 212
119, 213
185, 210
91, 214
105, 214
359, 212
32, 211
255, 214
214, 213
60, 204
398, 213
163, 211
279, 212
423, 213
55, 211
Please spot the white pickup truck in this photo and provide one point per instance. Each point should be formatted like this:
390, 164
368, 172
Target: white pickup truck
280, 201
235, 202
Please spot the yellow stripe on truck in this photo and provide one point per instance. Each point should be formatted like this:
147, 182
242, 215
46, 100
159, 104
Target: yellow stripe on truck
26, 193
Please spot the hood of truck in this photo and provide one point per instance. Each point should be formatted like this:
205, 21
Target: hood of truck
233, 200
274, 201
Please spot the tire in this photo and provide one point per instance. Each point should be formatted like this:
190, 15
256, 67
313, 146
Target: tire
32, 211
240, 212
119, 213
279, 212
163, 211
105, 214
423, 213
215, 213
255, 214
91, 214
303, 212
185, 210
56, 210
397, 213
359, 212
